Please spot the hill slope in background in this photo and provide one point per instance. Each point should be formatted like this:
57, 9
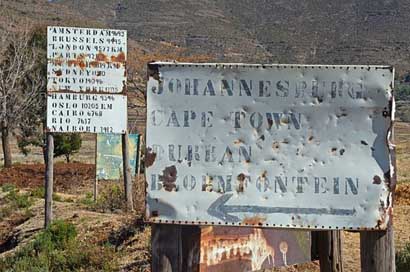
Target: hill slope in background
280, 31
285, 31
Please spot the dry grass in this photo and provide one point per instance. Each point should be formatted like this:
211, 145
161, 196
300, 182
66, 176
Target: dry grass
402, 141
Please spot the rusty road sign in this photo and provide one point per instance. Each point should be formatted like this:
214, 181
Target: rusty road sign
289, 146
86, 80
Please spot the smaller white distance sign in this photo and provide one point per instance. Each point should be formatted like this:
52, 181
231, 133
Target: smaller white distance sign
93, 113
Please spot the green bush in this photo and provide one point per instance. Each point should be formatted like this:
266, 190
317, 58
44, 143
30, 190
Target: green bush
13, 201
110, 199
402, 92
7, 187
56, 249
38, 192
88, 200
403, 259
57, 198
18, 200
66, 144
5, 212
57, 236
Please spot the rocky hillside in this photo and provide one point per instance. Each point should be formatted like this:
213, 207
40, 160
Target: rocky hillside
286, 31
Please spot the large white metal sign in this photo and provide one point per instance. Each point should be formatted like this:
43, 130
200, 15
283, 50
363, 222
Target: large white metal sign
270, 145
86, 61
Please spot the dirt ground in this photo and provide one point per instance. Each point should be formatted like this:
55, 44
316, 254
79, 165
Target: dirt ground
79, 175
129, 234
97, 227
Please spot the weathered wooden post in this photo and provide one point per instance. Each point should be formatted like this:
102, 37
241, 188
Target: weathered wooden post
127, 172
139, 158
49, 177
329, 249
175, 248
377, 251
95, 189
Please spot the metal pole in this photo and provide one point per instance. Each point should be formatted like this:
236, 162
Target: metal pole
49, 176
127, 172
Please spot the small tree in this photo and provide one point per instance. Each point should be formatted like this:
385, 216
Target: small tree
21, 82
66, 144
30, 129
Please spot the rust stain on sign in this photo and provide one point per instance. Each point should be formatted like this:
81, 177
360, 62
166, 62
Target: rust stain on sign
119, 58
58, 61
101, 57
85, 80
241, 183
82, 60
79, 61
251, 249
91, 60
150, 157
168, 178
254, 220
377, 179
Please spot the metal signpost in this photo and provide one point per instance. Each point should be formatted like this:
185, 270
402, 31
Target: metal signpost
282, 146
86, 87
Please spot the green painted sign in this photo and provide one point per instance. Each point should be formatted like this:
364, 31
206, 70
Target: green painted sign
109, 156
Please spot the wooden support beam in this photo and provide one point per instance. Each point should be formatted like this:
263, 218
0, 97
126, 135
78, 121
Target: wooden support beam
329, 249
127, 172
377, 251
48, 184
95, 189
175, 248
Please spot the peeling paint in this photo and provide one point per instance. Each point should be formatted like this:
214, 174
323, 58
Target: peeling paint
149, 157
254, 220
251, 249
377, 179
168, 178
90, 60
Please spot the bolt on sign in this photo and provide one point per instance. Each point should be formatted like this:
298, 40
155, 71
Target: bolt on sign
289, 146
251, 249
86, 80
